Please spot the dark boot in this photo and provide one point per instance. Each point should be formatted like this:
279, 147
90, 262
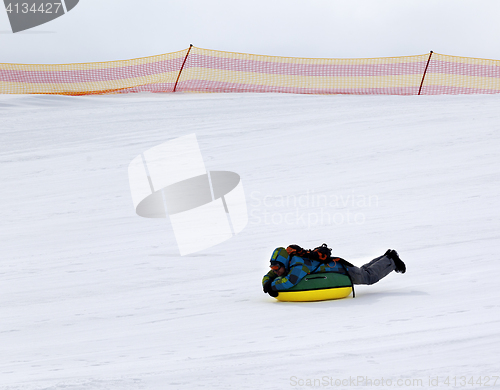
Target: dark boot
400, 266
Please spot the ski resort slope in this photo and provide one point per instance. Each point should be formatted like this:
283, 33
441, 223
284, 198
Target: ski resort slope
95, 297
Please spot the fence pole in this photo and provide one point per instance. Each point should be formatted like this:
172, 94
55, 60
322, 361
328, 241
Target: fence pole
425, 71
182, 67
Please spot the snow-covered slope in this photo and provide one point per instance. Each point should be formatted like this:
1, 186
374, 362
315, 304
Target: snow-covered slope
95, 297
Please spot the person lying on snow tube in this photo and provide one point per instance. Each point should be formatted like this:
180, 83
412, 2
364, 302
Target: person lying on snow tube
288, 270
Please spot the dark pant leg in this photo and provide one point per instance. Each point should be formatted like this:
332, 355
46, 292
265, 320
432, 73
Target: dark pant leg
372, 272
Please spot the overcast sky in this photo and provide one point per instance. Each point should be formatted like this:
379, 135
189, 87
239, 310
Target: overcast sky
102, 30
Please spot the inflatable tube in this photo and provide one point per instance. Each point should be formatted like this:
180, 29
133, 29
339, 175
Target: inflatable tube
318, 287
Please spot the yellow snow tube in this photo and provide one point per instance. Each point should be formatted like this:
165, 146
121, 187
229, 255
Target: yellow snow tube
318, 287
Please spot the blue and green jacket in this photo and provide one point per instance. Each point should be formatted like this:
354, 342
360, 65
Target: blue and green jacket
298, 268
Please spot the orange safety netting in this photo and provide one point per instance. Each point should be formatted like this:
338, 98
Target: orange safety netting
201, 70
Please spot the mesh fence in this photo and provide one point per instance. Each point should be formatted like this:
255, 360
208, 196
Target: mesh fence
202, 70
154, 74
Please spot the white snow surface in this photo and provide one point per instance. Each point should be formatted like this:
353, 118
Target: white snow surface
95, 297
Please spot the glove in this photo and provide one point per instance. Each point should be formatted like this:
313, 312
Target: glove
267, 286
272, 292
